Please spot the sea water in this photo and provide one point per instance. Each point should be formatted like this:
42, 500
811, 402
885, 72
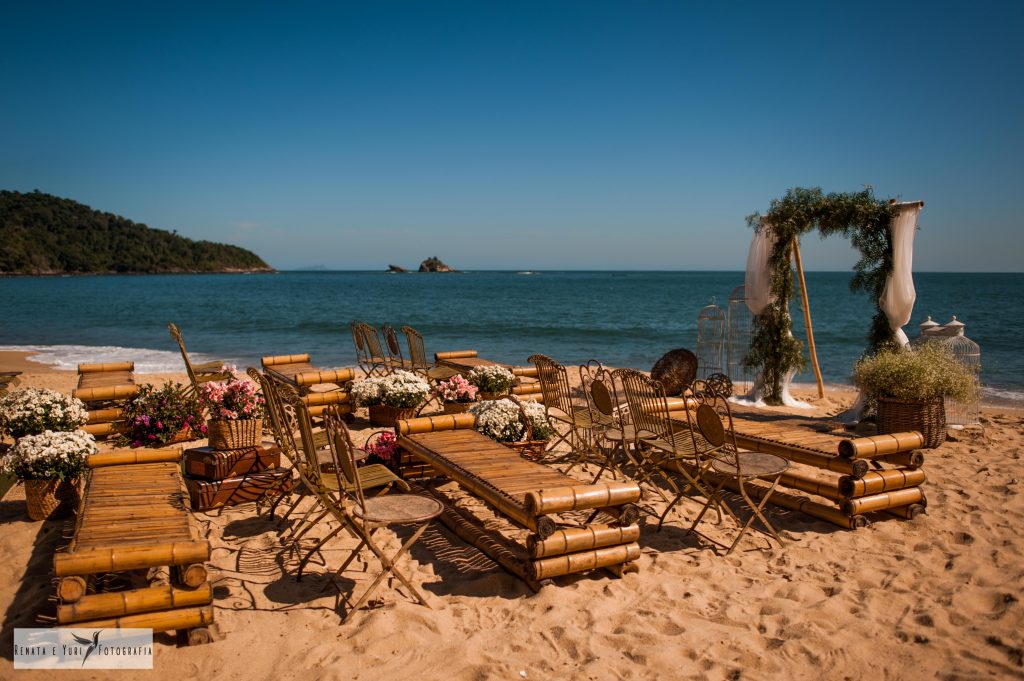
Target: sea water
620, 318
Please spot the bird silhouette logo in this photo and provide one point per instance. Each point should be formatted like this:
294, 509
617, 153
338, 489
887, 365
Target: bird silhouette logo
93, 644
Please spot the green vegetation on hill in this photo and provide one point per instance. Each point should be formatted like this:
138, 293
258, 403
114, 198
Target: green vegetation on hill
44, 234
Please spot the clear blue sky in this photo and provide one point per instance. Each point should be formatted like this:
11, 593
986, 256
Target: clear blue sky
518, 134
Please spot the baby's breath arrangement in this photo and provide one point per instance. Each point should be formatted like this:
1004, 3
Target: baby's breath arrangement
30, 411
492, 379
502, 420
922, 373
401, 390
49, 455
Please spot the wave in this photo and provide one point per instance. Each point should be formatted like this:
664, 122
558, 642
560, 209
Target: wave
68, 357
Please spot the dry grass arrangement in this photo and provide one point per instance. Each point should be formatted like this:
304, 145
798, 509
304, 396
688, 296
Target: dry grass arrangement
923, 373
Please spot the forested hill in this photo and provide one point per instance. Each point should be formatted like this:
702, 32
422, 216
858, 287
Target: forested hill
44, 234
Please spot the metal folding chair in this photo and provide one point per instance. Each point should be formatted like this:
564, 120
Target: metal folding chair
364, 516
662, 444
728, 463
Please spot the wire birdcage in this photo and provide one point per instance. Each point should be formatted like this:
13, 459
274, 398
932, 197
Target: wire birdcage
711, 326
967, 353
740, 324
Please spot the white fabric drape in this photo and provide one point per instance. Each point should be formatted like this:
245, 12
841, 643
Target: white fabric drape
898, 297
759, 276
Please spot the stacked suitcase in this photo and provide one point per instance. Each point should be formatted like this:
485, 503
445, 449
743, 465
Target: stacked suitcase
217, 478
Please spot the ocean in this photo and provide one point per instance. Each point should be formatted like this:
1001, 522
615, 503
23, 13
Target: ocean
620, 318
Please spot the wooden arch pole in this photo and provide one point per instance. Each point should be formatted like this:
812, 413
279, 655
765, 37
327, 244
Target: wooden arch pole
807, 317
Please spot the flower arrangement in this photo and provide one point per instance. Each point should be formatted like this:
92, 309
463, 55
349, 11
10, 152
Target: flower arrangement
30, 411
232, 400
401, 390
923, 373
501, 420
154, 416
492, 379
457, 389
50, 455
383, 448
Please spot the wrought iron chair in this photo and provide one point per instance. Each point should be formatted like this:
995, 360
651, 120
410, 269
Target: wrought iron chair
572, 422
418, 358
728, 463
375, 360
615, 433
662, 444
364, 516
394, 349
198, 373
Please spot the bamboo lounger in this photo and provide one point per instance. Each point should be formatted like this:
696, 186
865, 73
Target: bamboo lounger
533, 496
103, 388
298, 372
133, 517
851, 476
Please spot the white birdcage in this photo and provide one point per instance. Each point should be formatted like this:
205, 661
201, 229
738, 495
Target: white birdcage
968, 353
740, 324
711, 327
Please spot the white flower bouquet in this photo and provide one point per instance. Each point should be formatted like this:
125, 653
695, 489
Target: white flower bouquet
49, 456
30, 411
401, 389
492, 379
502, 420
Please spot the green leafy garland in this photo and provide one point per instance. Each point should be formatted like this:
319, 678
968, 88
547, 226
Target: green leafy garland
857, 215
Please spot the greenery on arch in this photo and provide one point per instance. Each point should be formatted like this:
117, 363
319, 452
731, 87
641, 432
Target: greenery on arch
859, 216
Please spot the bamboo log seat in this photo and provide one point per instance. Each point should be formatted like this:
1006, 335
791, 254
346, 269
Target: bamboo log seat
533, 496
133, 517
104, 388
299, 372
838, 477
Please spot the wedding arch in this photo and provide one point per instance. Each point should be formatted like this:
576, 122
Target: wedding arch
883, 231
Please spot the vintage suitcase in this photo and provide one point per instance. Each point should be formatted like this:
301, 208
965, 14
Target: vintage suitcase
205, 494
207, 463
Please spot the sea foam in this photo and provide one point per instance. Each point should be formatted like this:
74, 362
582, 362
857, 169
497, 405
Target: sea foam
147, 361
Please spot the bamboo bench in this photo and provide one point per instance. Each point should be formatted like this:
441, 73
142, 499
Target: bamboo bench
533, 496
298, 372
132, 517
852, 476
103, 388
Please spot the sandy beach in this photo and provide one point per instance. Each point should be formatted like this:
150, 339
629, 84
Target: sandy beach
936, 597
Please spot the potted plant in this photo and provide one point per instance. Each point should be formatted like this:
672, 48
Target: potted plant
30, 411
909, 386
493, 381
50, 464
235, 410
155, 417
382, 448
522, 425
392, 397
457, 394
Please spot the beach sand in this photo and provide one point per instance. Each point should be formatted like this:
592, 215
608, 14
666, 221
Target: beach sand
937, 597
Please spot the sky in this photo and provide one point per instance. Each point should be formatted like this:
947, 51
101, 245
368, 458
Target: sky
515, 135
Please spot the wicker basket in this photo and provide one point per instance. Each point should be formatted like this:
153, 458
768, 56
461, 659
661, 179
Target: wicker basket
50, 498
234, 434
183, 435
383, 415
927, 417
457, 407
487, 397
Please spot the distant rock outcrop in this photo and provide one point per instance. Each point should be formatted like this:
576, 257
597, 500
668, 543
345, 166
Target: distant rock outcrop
396, 268
435, 265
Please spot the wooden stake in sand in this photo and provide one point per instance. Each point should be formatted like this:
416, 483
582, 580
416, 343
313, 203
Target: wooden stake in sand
807, 317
